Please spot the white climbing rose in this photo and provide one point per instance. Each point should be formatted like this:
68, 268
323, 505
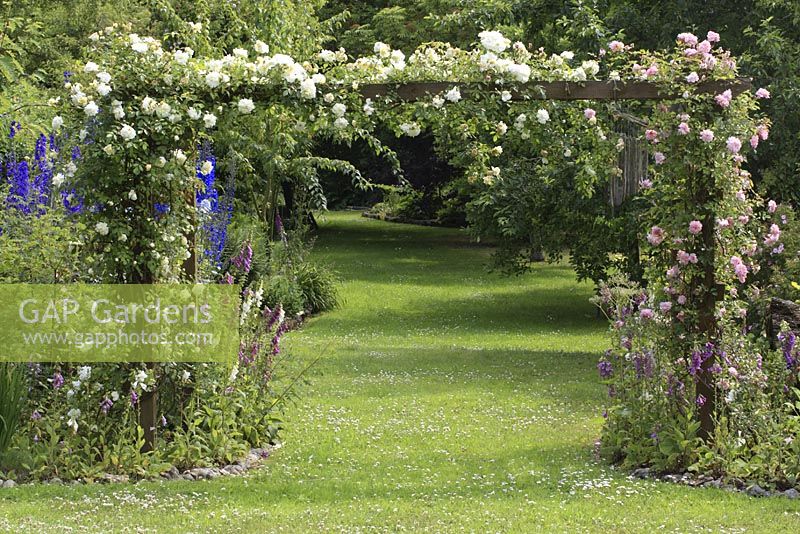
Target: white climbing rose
494, 41
411, 129
339, 109
453, 95
542, 116
245, 105
210, 120
127, 132
101, 228
91, 109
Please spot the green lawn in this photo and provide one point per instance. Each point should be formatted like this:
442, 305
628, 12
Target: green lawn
448, 399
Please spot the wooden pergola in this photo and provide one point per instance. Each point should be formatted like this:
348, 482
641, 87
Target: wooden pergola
542, 90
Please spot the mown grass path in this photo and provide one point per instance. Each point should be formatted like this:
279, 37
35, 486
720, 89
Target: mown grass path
447, 399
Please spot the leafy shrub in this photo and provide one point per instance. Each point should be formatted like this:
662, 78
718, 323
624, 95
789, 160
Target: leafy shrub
284, 290
318, 287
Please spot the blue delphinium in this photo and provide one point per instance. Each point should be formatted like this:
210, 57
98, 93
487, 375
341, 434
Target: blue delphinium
19, 179
216, 211
31, 184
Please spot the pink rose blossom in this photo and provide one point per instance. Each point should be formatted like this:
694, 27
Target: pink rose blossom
724, 98
689, 39
659, 158
763, 132
774, 235
772, 206
734, 145
704, 47
740, 270
665, 307
683, 128
692, 77
589, 113
762, 93
673, 272
740, 196
646, 184
681, 299
754, 141
744, 219
684, 258
712, 37
616, 46
652, 70
646, 313
655, 236
709, 62
723, 223
707, 135
695, 227
651, 135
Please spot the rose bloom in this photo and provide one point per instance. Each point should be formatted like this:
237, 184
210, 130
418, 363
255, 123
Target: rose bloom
695, 227
734, 145
707, 135
655, 236
659, 158
762, 93
683, 128
616, 46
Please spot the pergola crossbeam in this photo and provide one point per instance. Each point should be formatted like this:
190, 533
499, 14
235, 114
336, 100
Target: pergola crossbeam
541, 90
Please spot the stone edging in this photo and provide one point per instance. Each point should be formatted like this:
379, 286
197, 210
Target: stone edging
689, 479
254, 459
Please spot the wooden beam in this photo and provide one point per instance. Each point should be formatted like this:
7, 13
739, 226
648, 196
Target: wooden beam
538, 90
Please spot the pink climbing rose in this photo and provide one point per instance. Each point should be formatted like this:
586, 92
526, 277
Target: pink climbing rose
704, 47
651, 135
659, 157
616, 46
685, 258
692, 77
734, 145
689, 39
762, 93
754, 141
655, 236
772, 206
707, 135
724, 98
695, 227
712, 37
683, 128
